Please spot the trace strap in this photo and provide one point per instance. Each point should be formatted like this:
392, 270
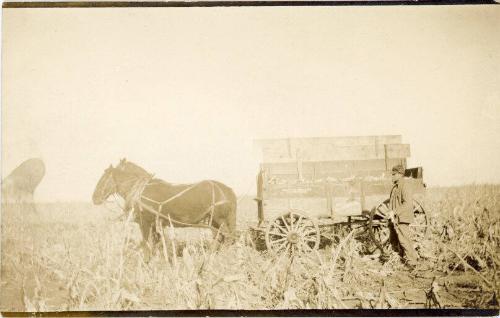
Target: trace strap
136, 196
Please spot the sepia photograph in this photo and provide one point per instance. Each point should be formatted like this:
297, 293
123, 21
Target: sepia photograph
249, 157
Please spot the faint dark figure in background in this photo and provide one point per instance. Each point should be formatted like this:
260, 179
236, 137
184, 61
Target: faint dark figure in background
19, 186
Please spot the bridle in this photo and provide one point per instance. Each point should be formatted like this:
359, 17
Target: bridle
109, 186
112, 185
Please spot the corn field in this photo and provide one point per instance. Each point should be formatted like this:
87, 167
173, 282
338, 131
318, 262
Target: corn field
76, 256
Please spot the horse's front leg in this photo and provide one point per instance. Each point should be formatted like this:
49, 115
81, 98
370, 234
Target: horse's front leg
150, 239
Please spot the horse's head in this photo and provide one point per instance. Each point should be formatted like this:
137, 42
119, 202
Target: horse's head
120, 179
105, 187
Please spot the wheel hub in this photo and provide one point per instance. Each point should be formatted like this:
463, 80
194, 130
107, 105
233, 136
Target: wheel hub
293, 237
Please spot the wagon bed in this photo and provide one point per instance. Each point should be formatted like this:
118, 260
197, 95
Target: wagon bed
329, 182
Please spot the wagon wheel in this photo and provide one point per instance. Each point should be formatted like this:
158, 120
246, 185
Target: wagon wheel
292, 232
379, 229
378, 226
420, 224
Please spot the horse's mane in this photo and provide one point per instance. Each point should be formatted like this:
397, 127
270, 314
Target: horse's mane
132, 168
136, 170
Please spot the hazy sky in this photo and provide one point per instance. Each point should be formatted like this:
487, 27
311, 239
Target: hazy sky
184, 91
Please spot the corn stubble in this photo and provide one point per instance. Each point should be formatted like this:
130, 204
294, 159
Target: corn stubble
78, 257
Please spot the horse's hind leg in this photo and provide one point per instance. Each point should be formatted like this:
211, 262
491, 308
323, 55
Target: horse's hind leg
216, 231
225, 221
218, 237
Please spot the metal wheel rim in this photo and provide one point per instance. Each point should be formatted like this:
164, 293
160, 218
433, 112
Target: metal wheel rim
420, 222
292, 233
379, 228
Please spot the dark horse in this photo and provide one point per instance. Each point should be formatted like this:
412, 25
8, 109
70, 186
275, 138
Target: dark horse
208, 203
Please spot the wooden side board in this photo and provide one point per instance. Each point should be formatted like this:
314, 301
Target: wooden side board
330, 152
330, 169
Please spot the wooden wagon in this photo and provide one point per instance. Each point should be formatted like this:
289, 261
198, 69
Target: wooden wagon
312, 189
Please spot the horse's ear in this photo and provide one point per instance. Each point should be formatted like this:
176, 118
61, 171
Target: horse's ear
110, 166
124, 160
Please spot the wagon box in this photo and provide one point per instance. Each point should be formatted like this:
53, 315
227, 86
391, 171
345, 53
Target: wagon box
329, 181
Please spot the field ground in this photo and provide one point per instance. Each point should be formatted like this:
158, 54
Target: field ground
75, 256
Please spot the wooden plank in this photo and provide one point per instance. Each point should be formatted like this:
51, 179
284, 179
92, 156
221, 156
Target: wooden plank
369, 165
336, 169
325, 167
281, 168
311, 207
340, 153
385, 157
337, 141
333, 176
352, 189
299, 165
286, 148
398, 151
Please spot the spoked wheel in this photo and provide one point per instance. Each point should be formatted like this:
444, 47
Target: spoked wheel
379, 224
378, 227
291, 233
